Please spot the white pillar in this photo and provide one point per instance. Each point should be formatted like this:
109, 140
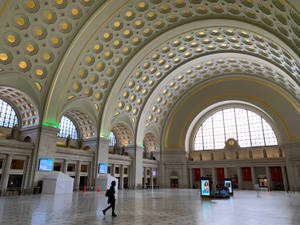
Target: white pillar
283, 173
268, 177
151, 177
65, 166
77, 176
214, 177
191, 177
240, 177
121, 177
26, 172
136, 153
5, 172
253, 176
226, 172
113, 170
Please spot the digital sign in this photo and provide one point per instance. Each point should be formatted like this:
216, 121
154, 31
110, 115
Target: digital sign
205, 187
153, 173
228, 184
46, 164
103, 168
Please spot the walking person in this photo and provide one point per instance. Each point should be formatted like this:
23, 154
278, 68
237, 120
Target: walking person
110, 193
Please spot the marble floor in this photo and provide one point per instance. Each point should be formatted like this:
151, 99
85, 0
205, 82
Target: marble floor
157, 207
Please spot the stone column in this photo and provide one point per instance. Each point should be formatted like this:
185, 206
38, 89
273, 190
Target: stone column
202, 172
121, 177
145, 176
151, 177
113, 169
5, 173
226, 172
101, 157
269, 177
284, 179
214, 177
77, 176
46, 149
65, 166
240, 177
191, 177
136, 153
292, 156
253, 176
26, 173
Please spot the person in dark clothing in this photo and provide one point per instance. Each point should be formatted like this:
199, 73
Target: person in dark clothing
110, 193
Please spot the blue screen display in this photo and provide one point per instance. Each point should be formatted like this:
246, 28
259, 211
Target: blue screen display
46, 165
228, 184
205, 188
103, 168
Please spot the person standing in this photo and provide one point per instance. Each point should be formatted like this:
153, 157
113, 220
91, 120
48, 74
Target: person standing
110, 193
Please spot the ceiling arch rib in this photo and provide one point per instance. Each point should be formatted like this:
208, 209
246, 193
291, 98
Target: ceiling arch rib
103, 55
212, 67
160, 61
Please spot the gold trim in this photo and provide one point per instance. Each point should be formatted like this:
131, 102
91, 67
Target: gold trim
77, 57
233, 27
4, 7
293, 7
225, 80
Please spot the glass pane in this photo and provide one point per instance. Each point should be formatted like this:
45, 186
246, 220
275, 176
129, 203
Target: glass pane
8, 116
248, 128
67, 128
112, 140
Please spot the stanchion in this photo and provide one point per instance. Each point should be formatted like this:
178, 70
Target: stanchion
84, 189
98, 189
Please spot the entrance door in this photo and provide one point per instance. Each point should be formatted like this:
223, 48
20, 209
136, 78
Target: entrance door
83, 182
174, 182
126, 182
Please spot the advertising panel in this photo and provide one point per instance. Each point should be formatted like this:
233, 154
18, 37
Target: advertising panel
46, 164
205, 187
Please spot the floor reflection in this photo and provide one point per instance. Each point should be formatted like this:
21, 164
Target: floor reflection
159, 207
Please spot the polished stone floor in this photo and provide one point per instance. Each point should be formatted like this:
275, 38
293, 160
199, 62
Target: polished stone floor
157, 207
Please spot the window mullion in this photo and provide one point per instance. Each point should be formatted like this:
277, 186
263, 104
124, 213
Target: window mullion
249, 128
237, 135
263, 131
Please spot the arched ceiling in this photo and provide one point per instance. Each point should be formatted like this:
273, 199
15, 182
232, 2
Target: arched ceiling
88, 50
28, 113
150, 142
123, 134
84, 123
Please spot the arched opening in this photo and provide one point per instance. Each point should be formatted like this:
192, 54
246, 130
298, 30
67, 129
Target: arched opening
244, 126
27, 139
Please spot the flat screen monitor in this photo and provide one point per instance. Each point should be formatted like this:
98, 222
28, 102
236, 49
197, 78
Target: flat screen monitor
228, 184
103, 168
153, 173
46, 164
205, 187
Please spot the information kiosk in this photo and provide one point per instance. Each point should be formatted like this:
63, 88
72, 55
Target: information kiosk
228, 185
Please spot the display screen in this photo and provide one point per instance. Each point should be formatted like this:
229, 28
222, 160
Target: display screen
103, 168
228, 184
46, 165
153, 173
205, 187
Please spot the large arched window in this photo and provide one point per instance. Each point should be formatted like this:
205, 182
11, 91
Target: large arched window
66, 128
8, 116
112, 140
245, 126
